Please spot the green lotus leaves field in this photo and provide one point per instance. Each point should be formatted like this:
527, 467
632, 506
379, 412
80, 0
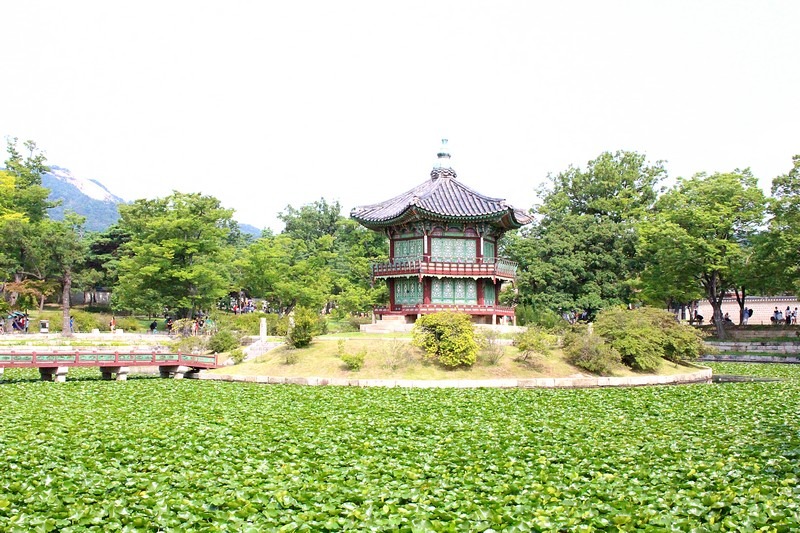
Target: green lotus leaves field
152, 454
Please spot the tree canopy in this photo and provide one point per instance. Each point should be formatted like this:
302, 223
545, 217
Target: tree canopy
581, 251
177, 255
698, 235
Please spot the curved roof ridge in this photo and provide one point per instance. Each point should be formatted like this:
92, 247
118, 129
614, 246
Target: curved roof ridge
441, 197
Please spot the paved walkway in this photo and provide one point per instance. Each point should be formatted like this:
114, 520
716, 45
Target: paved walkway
701, 375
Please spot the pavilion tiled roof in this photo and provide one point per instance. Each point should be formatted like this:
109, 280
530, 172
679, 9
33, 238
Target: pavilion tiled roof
442, 197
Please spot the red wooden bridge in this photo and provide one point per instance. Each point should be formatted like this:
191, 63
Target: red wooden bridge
54, 364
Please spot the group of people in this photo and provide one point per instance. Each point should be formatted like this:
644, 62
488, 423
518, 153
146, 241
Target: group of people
788, 317
19, 323
576, 316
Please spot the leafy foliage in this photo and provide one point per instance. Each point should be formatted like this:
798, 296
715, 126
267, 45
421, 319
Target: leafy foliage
223, 341
354, 360
237, 356
588, 350
644, 336
581, 253
396, 354
194, 454
697, 238
86, 322
177, 255
447, 338
780, 257
305, 326
287, 272
490, 347
533, 341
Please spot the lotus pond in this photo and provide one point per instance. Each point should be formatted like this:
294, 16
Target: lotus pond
151, 454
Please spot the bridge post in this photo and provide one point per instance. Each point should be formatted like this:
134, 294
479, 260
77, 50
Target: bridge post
56, 374
174, 371
120, 371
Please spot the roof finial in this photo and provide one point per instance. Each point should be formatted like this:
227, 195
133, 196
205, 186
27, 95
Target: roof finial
443, 156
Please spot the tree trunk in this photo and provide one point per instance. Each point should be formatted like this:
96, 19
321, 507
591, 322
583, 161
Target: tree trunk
12, 298
741, 300
66, 331
715, 293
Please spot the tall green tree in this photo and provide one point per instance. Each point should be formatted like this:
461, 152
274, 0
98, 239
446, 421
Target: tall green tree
178, 254
287, 272
23, 206
779, 252
580, 252
311, 221
64, 255
698, 236
356, 250
27, 166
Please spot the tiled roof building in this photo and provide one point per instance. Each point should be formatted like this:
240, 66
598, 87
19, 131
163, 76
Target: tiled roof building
442, 248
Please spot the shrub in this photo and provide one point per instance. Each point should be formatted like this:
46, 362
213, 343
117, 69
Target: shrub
183, 327
490, 347
396, 354
127, 323
306, 324
191, 344
646, 335
533, 316
237, 356
85, 322
224, 341
356, 322
533, 341
290, 355
354, 361
250, 323
447, 338
589, 351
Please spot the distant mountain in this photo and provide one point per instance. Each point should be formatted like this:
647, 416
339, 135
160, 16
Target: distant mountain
250, 230
88, 198
91, 199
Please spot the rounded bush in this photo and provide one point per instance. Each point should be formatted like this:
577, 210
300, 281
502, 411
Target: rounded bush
224, 341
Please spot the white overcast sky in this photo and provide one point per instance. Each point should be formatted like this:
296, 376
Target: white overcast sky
265, 103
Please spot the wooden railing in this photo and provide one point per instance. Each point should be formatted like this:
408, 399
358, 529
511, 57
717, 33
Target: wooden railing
438, 266
39, 359
425, 309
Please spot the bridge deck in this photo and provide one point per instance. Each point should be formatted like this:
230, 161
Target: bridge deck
54, 364
51, 358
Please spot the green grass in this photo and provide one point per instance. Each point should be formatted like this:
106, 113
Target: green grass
151, 454
320, 359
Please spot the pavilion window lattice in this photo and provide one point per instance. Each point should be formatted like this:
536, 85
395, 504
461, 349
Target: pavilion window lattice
454, 291
408, 249
407, 291
453, 250
488, 293
488, 250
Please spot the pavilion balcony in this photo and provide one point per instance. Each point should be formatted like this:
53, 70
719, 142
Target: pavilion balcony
475, 267
426, 309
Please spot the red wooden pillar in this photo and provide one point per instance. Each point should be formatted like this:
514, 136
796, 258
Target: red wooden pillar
390, 282
426, 291
481, 295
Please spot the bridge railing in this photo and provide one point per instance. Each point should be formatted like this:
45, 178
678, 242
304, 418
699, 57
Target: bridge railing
38, 359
